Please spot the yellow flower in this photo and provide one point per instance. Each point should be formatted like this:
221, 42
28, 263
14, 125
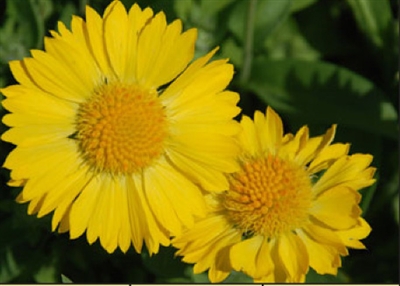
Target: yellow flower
293, 205
116, 131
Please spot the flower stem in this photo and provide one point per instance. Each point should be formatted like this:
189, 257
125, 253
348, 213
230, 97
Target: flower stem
248, 45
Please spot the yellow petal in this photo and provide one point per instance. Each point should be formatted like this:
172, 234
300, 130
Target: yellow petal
137, 19
328, 156
350, 171
66, 189
209, 178
217, 223
292, 145
195, 114
325, 236
243, 254
21, 74
211, 251
221, 268
266, 279
324, 258
314, 146
173, 199
94, 28
173, 93
31, 107
248, 137
111, 217
121, 201
26, 162
116, 38
96, 226
60, 77
63, 163
38, 134
83, 207
201, 246
293, 255
217, 151
169, 56
264, 264
351, 237
198, 87
338, 207
142, 219
34, 205
273, 138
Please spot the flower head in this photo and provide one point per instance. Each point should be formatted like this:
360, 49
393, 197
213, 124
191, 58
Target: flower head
292, 205
115, 129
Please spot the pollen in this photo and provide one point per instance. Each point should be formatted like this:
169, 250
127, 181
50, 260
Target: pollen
269, 196
121, 128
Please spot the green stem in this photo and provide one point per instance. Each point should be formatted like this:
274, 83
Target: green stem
82, 6
248, 48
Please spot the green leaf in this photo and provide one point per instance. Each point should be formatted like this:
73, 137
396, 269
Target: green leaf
183, 8
9, 268
269, 14
66, 14
318, 92
313, 277
47, 273
326, 29
200, 278
30, 20
396, 208
65, 279
231, 50
373, 18
288, 42
298, 5
212, 6
238, 277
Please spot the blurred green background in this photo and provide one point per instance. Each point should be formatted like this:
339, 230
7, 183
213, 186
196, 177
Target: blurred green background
317, 62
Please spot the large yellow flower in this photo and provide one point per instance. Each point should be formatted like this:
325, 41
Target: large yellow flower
115, 131
293, 205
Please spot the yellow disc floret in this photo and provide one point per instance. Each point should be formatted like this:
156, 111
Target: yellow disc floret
268, 196
121, 128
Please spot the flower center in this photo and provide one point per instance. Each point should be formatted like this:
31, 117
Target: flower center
268, 196
121, 128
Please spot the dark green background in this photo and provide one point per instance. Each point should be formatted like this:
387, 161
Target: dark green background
317, 62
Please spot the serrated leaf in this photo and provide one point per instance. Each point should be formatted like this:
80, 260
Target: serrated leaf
318, 92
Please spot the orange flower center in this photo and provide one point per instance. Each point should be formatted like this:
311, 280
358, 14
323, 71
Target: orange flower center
121, 128
268, 196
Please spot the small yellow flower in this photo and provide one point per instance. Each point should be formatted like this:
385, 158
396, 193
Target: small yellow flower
115, 131
293, 205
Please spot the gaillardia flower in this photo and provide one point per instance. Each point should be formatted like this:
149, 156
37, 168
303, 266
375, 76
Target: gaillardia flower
115, 130
293, 205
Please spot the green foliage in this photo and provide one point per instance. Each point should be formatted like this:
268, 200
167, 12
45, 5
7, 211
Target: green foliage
317, 62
